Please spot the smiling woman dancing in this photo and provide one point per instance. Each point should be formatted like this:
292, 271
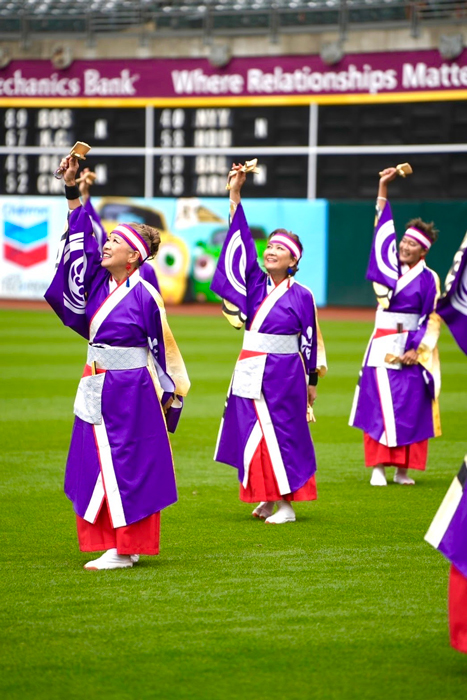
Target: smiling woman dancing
396, 399
264, 431
119, 473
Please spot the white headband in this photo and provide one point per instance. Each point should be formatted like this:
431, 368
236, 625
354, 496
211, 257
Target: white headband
419, 237
289, 243
133, 239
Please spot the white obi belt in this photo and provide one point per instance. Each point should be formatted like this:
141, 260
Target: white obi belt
88, 401
249, 371
393, 344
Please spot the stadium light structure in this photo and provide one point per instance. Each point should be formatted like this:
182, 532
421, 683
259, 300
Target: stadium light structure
450, 46
5, 57
61, 56
219, 55
332, 53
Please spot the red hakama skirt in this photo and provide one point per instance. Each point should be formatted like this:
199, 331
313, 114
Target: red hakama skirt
142, 537
412, 456
262, 484
458, 609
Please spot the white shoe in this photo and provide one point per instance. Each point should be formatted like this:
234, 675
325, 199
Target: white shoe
110, 560
285, 514
264, 510
134, 558
400, 477
378, 477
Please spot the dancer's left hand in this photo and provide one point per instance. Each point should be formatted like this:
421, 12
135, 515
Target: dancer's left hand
410, 357
312, 393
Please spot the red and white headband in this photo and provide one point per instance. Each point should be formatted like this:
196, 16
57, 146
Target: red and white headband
134, 240
288, 242
418, 236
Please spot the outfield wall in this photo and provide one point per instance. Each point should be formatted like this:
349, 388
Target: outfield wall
336, 237
350, 231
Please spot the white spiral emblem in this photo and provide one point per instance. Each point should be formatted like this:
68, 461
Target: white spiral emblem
236, 277
388, 267
459, 298
76, 301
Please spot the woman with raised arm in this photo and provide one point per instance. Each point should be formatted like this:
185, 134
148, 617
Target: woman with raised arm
119, 472
396, 399
264, 433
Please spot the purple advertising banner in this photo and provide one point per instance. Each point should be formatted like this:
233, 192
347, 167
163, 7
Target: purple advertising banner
373, 75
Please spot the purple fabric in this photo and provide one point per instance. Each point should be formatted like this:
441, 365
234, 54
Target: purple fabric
285, 378
383, 266
412, 387
454, 542
452, 306
135, 424
77, 271
99, 231
237, 263
148, 273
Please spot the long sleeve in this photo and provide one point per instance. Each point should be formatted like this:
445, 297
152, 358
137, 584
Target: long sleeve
311, 340
238, 265
426, 336
384, 267
166, 363
78, 263
452, 306
99, 231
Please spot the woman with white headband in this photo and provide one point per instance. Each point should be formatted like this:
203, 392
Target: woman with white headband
396, 399
264, 433
119, 472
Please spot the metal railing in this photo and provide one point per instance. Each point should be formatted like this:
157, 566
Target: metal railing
21, 19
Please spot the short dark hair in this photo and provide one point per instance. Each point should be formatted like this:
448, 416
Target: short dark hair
428, 229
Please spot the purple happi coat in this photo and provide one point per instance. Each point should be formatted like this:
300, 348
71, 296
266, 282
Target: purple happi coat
394, 403
120, 449
267, 398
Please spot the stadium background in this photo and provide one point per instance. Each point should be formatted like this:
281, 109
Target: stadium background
351, 602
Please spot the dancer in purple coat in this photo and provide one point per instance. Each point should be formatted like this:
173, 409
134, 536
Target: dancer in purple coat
264, 433
119, 472
396, 399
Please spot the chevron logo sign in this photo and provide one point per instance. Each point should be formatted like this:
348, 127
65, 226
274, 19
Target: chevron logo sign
25, 234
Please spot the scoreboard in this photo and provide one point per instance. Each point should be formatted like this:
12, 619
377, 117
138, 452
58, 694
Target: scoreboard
150, 152
333, 151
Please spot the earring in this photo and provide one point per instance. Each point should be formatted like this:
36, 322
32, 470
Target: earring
128, 268
290, 271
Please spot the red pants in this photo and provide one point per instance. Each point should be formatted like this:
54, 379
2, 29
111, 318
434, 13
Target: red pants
412, 456
262, 484
458, 609
139, 538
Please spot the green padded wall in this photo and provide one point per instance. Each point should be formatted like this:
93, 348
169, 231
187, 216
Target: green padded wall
350, 234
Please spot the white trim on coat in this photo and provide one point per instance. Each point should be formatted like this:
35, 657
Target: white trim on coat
112, 492
269, 301
387, 407
269, 434
445, 514
110, 302
94, 506
409, 276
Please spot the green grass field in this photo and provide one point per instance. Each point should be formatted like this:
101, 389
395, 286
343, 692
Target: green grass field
348, 602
